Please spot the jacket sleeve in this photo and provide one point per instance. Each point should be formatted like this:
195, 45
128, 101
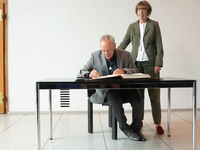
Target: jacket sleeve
131, 67
159, 46
126, 40
88, 67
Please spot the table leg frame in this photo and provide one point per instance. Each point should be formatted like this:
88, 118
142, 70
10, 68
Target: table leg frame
169, 111
38, 117
50, 115
38, 143
194, 115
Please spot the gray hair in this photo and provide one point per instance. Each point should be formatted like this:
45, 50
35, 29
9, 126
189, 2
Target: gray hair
108, 37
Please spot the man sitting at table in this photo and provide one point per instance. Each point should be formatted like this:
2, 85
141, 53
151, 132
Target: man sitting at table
110, 60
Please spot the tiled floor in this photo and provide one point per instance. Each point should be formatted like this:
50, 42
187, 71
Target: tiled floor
18, 132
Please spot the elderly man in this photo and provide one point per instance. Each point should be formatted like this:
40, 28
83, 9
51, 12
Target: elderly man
110, 60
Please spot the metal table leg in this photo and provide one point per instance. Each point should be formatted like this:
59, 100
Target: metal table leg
194, 114
38, 117
50, 116
169, 111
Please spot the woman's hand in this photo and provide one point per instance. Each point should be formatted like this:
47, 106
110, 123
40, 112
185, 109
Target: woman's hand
157, 69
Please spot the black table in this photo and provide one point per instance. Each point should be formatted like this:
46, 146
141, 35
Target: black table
50, 84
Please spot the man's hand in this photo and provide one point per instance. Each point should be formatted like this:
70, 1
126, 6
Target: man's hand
118, 71
157, 69
94, 73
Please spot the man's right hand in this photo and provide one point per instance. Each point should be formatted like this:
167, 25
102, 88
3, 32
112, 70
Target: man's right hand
94, 73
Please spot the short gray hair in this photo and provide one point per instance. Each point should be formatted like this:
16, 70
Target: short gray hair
108, 37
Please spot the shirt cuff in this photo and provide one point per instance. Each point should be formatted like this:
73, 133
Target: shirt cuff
87, 75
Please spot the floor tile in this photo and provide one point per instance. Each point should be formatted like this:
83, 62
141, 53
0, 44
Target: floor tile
70, 131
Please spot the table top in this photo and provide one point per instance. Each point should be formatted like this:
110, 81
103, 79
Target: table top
170, 79
78, 83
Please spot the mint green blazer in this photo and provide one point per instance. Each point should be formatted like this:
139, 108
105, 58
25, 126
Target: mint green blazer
152, 41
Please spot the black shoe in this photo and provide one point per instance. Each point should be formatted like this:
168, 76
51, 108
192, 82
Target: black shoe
131, 135
142, 137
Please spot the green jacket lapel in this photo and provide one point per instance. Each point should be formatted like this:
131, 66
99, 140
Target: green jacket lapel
137, 28
148, 26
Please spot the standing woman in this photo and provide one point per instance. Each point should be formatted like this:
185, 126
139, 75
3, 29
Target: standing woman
147, 54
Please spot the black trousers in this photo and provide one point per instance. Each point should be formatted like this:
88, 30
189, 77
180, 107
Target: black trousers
116, 98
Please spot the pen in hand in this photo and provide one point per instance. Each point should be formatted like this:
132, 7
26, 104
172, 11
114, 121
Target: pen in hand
94, 73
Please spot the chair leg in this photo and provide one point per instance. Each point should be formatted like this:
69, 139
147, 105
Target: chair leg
114, 127
112, 120
90, 116
110, 116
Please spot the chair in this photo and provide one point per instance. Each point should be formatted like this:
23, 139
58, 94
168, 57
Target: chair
112, 120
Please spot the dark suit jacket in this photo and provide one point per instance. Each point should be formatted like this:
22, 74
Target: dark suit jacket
152, 41
98, 61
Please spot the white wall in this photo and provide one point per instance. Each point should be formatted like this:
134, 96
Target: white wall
53, 39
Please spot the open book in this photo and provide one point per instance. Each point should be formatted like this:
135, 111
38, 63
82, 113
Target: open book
124, 76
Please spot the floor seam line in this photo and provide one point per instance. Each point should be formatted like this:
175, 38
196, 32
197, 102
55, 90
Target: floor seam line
13, 124
52, 131
102, 131
160, 137
186, 120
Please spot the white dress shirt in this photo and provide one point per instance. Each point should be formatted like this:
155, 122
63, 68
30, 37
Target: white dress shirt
142, 56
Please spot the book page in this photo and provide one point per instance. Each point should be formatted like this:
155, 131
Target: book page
124, 76
108, 77
135, 75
